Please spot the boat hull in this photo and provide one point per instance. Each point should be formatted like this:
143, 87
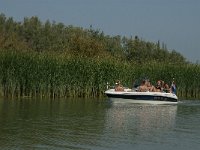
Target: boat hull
142, 97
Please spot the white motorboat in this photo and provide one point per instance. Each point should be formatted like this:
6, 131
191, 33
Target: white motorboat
129, 95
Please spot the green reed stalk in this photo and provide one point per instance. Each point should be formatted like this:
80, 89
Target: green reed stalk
46, 75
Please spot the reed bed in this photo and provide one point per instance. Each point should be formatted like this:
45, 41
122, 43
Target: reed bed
42, 75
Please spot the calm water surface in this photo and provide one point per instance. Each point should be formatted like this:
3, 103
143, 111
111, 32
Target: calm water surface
94, 124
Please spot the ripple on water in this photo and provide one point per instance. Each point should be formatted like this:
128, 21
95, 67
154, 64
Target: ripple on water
118, 126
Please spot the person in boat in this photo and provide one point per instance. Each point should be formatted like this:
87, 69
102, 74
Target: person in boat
162, 85
158, 87
166, 88
150, 87
173, 87
118, 86
143, 87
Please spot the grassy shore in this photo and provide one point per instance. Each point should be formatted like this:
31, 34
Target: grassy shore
48, 75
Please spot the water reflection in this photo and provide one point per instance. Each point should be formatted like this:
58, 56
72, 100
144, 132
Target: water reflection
50, 124
85, 124
140, 120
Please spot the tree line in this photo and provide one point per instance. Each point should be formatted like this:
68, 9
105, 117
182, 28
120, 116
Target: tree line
33, 35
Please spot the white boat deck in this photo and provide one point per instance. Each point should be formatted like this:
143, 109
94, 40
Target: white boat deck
137, 97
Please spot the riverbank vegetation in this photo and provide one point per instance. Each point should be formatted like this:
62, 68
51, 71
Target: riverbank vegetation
53, 60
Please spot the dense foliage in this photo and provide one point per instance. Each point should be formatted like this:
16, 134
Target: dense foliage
54, 60
33, 35
31, 74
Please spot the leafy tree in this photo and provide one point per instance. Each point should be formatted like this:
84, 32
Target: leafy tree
50, 37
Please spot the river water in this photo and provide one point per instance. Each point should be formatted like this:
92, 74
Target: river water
98, 124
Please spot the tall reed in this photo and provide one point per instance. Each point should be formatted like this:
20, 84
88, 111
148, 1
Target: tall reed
46, 75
